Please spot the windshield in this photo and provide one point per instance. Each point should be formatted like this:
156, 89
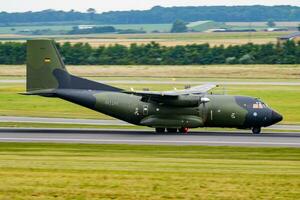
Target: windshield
259, 105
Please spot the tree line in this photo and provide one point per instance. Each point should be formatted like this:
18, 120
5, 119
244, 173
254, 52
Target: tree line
155, 54
103, 29
160, 14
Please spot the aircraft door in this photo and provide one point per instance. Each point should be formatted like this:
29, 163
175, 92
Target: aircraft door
203, 111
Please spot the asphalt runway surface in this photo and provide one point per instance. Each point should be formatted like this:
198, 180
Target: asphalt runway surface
149, 137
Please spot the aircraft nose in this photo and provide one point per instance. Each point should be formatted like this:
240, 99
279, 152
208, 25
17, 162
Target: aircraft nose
276, 117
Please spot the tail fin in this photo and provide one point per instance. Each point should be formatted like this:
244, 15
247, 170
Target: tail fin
46, 70
42, 61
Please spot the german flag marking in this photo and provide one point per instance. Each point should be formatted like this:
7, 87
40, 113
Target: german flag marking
47, 60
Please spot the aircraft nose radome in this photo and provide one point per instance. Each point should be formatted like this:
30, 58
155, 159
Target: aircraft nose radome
276, 117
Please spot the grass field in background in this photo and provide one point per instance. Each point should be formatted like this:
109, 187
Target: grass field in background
262, 24
77, 171
214, 39
197, 72
166, 39
146, 27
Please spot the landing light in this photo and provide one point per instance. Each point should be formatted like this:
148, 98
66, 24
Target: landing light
204, 100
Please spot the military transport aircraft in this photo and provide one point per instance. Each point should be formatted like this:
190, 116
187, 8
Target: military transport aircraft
171, 111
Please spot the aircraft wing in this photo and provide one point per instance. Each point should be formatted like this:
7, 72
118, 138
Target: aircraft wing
201, 89
197, 90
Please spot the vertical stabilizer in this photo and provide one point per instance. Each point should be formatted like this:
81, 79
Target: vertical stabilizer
47, 72
42, 60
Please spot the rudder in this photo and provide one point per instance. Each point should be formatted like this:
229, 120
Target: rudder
42, 60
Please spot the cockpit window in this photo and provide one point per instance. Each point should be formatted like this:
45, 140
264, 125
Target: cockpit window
259, 105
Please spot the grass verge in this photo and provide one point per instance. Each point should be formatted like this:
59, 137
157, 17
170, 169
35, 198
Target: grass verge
77, 171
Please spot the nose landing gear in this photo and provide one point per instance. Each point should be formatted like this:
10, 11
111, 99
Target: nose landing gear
256, 130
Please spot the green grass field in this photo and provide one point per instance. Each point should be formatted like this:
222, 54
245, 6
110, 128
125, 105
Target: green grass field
77, 171
16, 29
262, 73
146, 27
166, 39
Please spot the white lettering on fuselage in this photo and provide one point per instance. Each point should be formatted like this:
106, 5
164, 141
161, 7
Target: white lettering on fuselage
137, 112
233, 116
111, 102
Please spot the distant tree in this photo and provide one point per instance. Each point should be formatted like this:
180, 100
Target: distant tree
155, 54
246, 59
298, 27
98, 29
92, 12
179, 26
271, 23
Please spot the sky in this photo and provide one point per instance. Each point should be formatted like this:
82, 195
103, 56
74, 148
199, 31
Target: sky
113, 5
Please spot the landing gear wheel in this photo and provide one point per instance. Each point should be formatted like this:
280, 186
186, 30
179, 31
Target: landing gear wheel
256, 130
172, 130
160, 130
184, 130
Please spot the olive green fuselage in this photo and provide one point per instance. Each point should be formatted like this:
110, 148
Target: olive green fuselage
220, 111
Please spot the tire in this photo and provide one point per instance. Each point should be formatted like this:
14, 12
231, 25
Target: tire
184, 130
172, 130
256, 130
160, 130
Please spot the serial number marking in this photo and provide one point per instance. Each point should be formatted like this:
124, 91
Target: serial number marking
111, 102
233, 115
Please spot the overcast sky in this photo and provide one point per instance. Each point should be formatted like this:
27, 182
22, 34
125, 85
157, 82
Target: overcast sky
108, 5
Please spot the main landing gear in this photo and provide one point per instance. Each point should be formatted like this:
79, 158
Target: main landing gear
172, 130
256, 130
184, 130
160, 130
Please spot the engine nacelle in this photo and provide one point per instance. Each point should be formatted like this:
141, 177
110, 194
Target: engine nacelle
185, 101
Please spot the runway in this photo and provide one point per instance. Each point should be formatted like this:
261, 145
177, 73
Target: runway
148, 137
